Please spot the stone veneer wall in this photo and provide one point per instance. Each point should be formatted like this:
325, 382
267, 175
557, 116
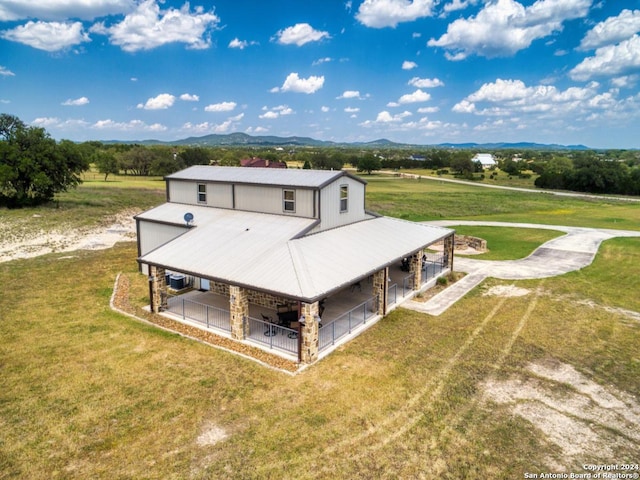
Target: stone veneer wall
415, 264
309, 352
257, 298
239, 308
380, 289
158, 289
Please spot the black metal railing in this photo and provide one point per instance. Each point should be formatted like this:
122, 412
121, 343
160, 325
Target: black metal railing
207, 315
392, 294
330, 333
271, 335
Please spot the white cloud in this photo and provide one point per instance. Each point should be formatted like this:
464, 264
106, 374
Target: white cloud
161, 102
48, 36
426, 82
77, 102
256, 130
627, 81
128, 126
351, 110
324, 109
504, 27
275, 112
46, 122
5, 72
187, 97
612, 30
231, 124
388, 13
428, 110
464, 106
458, 5
63, 9
610, 60
241, 44
320, 61
407, 65
293, 83
386, 117
349, 94
221, 107
148, 27
415, 97
299, 34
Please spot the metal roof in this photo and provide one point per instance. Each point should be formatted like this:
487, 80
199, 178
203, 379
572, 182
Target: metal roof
260, 251
260, 176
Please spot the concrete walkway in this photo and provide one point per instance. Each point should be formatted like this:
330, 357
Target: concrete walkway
564, 254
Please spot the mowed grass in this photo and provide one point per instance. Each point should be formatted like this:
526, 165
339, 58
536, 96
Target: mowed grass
88, 393
420, 200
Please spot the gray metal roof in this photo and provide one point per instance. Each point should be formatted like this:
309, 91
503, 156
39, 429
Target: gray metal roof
260, 176
259, 250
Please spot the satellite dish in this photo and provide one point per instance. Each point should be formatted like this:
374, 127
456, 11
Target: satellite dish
188, 217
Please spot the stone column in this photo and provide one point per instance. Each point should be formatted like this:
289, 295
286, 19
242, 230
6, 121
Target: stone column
158, 288
447, 251
415, 268
380, 289
239, 308
309, 345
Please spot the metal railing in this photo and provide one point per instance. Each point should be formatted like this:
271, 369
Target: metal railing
207, 315
392, 294
407, 285
330, 333
272, 335
432, 268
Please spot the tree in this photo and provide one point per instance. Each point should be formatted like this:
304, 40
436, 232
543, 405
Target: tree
33, 167
194, 156
106, 163
369, 163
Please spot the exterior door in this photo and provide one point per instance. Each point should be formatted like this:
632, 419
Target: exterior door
204, 284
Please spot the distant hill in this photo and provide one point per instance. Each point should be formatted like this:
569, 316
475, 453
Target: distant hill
242, 139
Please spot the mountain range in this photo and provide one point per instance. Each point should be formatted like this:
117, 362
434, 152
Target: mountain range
239, 139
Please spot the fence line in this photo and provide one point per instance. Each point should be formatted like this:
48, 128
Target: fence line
207, 315
272, 335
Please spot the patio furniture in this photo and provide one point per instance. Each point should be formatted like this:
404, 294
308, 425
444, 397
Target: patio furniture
270, 328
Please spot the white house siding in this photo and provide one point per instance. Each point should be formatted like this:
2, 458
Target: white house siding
256, 198
218, 194
151, 235
330, 204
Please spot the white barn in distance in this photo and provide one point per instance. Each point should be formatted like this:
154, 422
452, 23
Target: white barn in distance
485, 159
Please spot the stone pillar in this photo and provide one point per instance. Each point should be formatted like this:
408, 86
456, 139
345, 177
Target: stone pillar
309, 344
158, 289
239, 309
415, 268
380, 286
447, 251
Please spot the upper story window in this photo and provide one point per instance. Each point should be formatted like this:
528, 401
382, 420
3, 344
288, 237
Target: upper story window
344, 198
202, 193
289, 200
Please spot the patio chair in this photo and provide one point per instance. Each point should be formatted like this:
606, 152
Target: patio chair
269, 326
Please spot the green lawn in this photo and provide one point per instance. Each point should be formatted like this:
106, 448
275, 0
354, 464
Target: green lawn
88, 393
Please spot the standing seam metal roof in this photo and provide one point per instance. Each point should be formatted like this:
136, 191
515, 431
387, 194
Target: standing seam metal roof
261, 251
260, 176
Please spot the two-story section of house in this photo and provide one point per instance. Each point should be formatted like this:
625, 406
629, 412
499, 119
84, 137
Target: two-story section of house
279, 236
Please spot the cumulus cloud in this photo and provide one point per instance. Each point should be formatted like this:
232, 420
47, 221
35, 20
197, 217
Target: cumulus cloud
76, 103
5, 72
293, 83
415, 97
221, 107
407, 65
275, 112
504, 27
458, 5
63, 9
351, 110
241, 44
109, 124
426, 82
386, 117
187, 97
610, 60
299, 34
349, 94
612, 30
388, 13
161, 102
324, 109
48, 36
148, 27
229, 125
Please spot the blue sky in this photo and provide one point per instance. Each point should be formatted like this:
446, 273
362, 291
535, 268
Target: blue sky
421, 71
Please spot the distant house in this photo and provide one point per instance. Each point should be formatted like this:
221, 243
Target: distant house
285, 260
419, 158
485, 159
261, 163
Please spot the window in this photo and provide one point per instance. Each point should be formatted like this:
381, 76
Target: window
202, 193
344, 198
289, 200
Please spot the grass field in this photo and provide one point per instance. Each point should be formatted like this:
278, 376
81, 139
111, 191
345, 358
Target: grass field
89, 393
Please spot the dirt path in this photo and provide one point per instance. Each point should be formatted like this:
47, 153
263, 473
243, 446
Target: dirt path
121, 228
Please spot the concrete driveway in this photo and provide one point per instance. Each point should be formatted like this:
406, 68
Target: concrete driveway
564, 254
